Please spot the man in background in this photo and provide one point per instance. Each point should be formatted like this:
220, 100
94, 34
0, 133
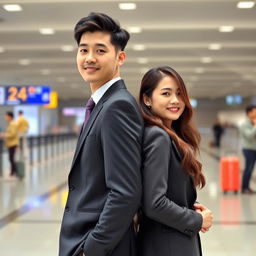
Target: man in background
23, 126
248, 135
11, 141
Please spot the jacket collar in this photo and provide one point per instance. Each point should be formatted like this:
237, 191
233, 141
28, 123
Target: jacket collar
85, 130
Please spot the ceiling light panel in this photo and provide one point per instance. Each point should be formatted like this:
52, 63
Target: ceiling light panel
12, 7
47, 31
245, 4
127, 6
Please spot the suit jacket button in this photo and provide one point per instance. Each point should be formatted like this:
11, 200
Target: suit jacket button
71, 187
66, 209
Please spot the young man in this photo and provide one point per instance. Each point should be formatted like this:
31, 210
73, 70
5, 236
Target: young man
11, 141
23, 127
248, 135
105, 180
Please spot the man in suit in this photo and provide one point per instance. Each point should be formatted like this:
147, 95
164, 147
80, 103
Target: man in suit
105, 179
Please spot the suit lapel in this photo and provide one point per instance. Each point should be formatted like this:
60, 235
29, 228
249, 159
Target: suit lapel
86, 129
116, 86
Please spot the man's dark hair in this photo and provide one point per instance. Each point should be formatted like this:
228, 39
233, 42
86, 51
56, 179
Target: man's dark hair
249, 108
20, 112
102, 22
10, 114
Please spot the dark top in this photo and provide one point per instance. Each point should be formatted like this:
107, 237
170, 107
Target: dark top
169, 224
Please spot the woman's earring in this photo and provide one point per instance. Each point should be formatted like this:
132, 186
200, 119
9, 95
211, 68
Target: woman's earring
148, 106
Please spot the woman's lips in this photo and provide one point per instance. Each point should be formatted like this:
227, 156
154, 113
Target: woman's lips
174, 109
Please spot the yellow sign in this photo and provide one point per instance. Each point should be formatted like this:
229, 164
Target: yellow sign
53, 100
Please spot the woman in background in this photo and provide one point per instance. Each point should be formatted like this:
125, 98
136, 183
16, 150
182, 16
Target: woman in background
171, 219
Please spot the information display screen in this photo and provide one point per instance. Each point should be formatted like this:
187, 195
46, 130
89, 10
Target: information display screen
17, 95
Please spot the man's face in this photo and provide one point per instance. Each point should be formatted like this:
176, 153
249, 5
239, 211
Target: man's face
7, 118
252, 114
98, 61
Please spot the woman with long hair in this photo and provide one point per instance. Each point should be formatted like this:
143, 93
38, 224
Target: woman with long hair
171, 219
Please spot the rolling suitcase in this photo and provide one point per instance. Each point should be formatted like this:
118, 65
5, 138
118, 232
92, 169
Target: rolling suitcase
230, 174
20, 169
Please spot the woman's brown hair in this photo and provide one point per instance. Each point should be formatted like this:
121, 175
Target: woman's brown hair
183, 132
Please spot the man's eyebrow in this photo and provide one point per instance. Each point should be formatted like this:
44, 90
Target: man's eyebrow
98, 45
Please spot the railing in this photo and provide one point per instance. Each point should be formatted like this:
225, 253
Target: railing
44, 147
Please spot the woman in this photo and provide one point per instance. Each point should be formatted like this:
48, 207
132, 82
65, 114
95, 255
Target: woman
171, 220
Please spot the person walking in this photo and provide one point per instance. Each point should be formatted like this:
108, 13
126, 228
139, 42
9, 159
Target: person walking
105, 178
248, 136
11, 141
23, 127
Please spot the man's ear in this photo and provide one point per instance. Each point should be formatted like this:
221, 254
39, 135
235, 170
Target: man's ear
121, 57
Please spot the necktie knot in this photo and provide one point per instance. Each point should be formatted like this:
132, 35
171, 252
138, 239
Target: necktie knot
88, 109
90, 104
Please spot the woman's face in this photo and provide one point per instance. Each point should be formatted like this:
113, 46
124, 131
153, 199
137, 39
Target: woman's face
166, 101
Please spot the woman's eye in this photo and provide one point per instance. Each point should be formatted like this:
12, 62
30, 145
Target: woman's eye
166, 93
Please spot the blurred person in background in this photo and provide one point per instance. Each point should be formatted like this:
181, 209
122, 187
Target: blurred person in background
171, 219
23, 126
218, 131
11, 141
248, 136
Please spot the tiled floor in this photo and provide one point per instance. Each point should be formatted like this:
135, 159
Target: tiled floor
31, 211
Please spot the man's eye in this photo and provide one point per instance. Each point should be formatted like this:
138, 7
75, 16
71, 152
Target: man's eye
101, 51
83, 50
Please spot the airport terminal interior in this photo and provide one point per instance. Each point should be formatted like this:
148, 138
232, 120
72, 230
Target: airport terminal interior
211, 43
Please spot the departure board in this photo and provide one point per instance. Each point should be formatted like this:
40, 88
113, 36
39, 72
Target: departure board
17, 95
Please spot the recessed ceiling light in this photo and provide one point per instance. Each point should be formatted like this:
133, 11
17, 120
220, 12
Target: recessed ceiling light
139, 47
134, 30
199, 70
12, 7
245, 5
142, 60
24, 62
206, 60
226, 28
1, 49
46, 31
127, 6
45, 71
67, 48
215, 46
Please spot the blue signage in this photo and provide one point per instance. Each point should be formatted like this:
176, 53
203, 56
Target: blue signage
17, 95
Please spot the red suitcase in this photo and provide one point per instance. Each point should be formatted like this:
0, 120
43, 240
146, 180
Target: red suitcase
230, 174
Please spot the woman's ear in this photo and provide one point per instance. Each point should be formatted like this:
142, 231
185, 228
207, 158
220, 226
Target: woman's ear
147, 101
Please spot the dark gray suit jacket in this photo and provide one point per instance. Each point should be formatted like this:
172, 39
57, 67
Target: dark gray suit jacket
169, 224
105, 179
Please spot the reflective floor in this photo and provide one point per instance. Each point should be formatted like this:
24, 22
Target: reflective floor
31, 211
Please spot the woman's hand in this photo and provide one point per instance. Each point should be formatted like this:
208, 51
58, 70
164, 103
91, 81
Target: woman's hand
206, 215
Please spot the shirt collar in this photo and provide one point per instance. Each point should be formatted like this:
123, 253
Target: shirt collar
97, 95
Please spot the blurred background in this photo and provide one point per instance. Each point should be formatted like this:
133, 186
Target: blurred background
212, 44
